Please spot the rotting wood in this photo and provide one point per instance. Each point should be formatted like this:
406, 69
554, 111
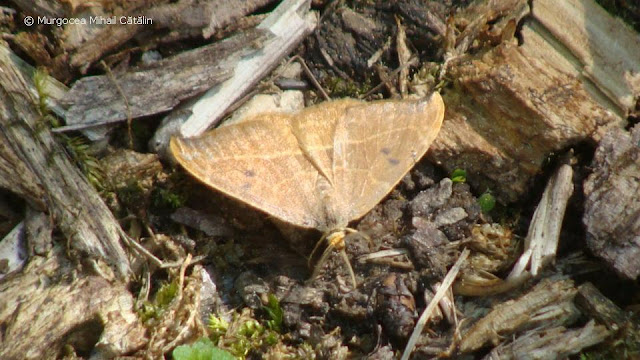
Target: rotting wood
84, 44
55, 90
108, 39
205, 17
592, 302
75, 206
515, 105
290, 22
42, 311
38, 230
605, 49
42, 7
13, 252
554, 343
14, 172
96, 100
612, 205
16, 176
515, 315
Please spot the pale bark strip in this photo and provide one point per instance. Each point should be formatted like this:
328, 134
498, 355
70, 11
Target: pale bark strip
543, 236
290, 22
74, 204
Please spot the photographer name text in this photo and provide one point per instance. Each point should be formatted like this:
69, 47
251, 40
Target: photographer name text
96, 20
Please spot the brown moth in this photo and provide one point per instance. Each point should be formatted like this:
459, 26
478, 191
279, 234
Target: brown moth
318, 168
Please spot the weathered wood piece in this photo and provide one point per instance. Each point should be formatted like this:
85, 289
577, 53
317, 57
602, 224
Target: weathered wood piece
554, 343
603, 47
13, 251
16, 176
542, 239
520, 314
55, 90
84, 44
204, 17
100, 100
290, 22
104, 40
42, 7
76, 207
612, 205
516, 104
593, 303
42, 311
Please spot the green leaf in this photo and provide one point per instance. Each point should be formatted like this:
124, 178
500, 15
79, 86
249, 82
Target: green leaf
458, 176
487, 202
202, 349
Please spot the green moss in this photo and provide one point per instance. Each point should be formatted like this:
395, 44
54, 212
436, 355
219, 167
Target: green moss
164, 296
131, 195
246, 335
169, 195
167, 199
40, 83
77, 146
80, 152
338, 87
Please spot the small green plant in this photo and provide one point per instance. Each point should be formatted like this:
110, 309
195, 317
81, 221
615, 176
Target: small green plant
217, 327
275, 313
244, 334
40, 83
339, 87
203, 349
164, 296
458, 176
78, 149
167, 199
487, 202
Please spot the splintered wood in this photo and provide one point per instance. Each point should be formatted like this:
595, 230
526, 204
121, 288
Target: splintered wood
75, 206
44, 314
511, 316
520, 102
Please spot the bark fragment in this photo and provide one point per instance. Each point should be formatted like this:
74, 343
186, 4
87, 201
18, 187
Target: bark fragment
76, 207
612, 206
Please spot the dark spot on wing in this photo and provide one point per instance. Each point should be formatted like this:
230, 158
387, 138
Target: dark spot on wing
393, 161
249, 173
246, 186
385, 151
